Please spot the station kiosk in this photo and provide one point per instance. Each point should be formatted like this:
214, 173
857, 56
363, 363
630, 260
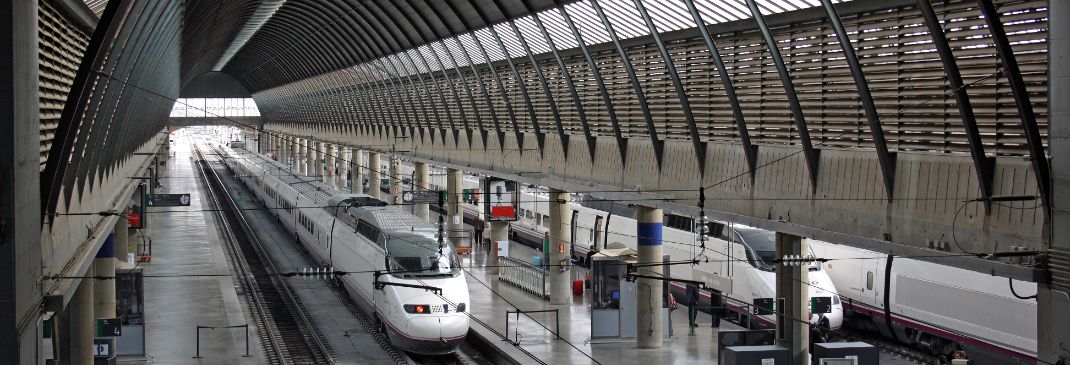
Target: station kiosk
613, 297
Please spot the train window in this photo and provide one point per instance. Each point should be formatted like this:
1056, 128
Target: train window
869, 280
546, 220
539, 219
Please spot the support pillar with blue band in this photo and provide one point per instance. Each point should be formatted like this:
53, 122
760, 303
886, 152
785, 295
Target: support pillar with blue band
649, 300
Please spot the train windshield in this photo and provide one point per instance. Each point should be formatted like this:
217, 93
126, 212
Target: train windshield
414, 256
762, 248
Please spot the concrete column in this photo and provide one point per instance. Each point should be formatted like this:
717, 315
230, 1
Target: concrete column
331, 151
648, 291
793, 330
295, 153
104, 290
80, 322
560, 240
454, 216
310, 157
499, 232
357, 168
318, 161
1053, 300
395, 180
422, 179
20, 203
374, 167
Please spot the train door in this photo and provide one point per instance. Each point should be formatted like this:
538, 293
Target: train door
871, 281
597, 232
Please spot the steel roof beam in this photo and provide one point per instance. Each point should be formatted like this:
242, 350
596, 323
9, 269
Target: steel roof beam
627, 63
750, 151
622, 143
681, 93
1037, 155
809, 153
885, 158
569, 83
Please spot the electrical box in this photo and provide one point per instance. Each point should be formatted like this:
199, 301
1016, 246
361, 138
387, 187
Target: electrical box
756, 355
864, 352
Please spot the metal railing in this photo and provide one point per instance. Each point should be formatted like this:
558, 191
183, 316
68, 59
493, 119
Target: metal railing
523, 275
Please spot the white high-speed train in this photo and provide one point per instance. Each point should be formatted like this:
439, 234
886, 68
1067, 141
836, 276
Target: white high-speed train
740, 258
936, 307
360, 235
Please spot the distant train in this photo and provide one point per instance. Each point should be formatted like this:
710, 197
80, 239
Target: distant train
936, 307
361, 235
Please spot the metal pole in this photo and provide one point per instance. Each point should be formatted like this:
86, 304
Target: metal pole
246, 340
198, 343
557, 318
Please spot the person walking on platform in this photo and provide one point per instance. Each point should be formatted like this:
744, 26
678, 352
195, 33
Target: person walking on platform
716, 308
692, 307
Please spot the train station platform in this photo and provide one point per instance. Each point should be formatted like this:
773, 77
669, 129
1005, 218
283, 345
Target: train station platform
188, 281
491, 299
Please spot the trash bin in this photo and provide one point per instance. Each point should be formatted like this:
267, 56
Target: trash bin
577, 287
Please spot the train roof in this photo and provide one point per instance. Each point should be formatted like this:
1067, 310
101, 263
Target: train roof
391, 219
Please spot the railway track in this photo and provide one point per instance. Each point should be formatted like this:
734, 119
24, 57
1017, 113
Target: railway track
288, 335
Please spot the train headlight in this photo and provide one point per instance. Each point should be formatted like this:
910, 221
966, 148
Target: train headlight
461, 307
417, 308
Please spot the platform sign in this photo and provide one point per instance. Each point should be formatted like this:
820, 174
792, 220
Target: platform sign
821, 305
101, 347
109, 327
169, 200
763, 306
502, 199
420, 196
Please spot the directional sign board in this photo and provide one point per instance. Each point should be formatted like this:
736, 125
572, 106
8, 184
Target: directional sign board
420, 196
109, 327
169, 200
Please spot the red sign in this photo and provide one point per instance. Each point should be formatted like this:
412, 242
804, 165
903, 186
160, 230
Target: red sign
502, 211
133, 219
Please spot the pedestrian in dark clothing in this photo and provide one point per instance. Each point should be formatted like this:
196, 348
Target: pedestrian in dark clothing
477, 226
692, 306
716, 308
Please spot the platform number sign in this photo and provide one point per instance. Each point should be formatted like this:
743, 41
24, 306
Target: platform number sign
109, 327
764, 306
821, 305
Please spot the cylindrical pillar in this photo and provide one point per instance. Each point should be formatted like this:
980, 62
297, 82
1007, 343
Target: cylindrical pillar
81, 324
318, 161
560, 240
454, 216
374, 166
295, 153
648, 291
422, 179
793, 330
356, 170
104, 290
330, 151
499, 235
395, 180
309, 156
